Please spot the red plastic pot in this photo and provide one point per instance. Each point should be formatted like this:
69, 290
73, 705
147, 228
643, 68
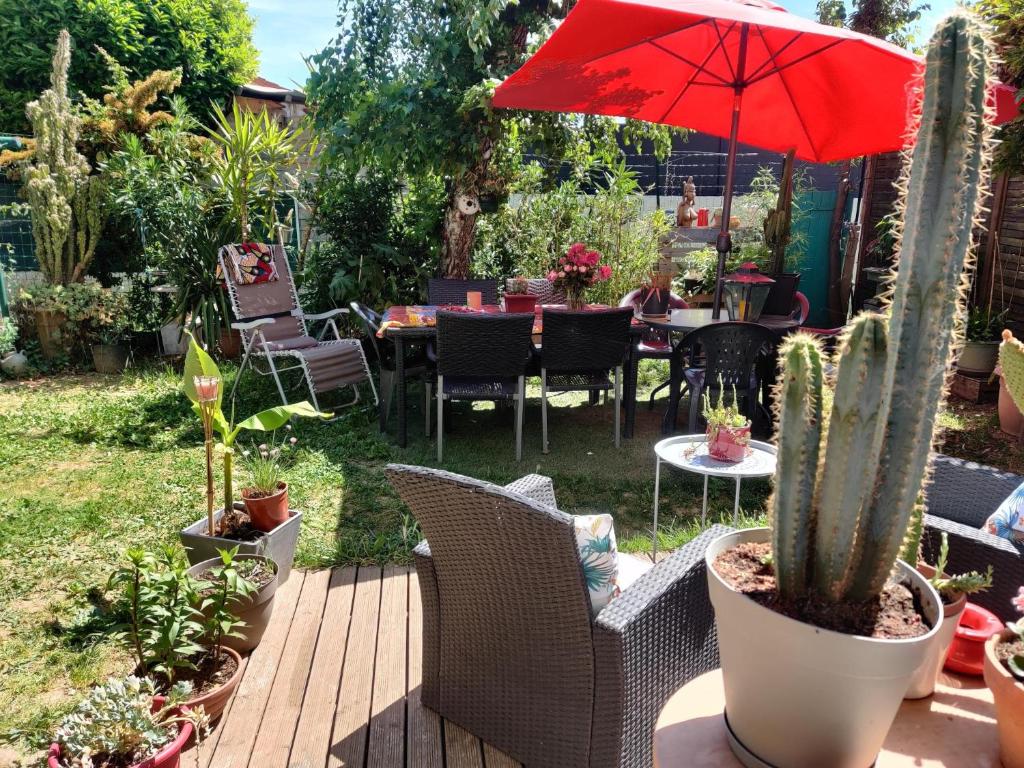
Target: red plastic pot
267, 512
168, 757
728, 443
967, 653
520, 302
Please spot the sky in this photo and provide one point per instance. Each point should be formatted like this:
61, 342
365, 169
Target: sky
288, 30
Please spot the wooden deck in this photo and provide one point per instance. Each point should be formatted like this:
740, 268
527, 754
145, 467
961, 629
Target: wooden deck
335, 682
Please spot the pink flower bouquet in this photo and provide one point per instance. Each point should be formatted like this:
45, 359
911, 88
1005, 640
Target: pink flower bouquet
577, 271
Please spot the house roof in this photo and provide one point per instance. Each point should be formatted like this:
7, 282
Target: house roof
261, 88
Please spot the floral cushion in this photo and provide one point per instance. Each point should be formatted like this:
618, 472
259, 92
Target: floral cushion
1008, 520
595, 540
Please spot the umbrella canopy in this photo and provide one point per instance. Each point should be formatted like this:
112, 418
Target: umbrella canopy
789, 82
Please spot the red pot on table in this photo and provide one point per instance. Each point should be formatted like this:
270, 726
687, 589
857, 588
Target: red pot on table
728, 443
168, 756
520, 302
967, 653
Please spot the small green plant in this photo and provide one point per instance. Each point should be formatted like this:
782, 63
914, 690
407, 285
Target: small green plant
721, 415
266, 463
222, 586
115, 724
519, 286
963, 584
985, 325
8, 335
163, 629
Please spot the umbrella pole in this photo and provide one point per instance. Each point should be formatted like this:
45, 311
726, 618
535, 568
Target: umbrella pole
724, 240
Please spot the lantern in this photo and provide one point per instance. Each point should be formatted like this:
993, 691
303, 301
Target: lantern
746, 291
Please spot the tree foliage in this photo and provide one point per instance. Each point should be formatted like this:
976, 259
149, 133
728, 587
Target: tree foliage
887, 19
1007, 17
209, 41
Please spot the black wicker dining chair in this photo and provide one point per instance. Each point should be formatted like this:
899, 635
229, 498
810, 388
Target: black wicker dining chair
442, 291
578, 350
731, 351
654, 344
511, 649
483, 357
417, 365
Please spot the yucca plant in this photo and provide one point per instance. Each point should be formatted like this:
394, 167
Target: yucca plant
844, 496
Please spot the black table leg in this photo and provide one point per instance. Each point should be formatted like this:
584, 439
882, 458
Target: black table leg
400, 375
632, 371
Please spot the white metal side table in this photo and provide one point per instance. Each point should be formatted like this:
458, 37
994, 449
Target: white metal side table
690, 453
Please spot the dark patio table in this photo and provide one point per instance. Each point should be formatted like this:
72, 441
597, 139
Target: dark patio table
402, 324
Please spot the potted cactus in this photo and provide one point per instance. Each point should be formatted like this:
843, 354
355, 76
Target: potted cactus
1004, 675
728, 429
820, 626
953, 591
518, 297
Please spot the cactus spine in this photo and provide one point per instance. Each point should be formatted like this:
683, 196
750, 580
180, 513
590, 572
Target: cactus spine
892, 369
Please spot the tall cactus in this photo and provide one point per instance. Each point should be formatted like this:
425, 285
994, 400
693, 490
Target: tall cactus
840, 510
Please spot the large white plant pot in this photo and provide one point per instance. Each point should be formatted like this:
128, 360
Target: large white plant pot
797, 696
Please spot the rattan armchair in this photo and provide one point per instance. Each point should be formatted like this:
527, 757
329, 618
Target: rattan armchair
511, 651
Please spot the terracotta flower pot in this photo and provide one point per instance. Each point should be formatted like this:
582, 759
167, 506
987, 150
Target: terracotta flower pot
213, 702
923, 682
798, 696
966, 654
1008, 695
267, 512
728, 443
254, 611
520, 302
1010, 418
167, 757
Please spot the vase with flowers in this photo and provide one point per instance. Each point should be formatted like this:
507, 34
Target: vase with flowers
577, 271
728, 429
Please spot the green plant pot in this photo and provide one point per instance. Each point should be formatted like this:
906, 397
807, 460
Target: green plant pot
278, 544
978, 357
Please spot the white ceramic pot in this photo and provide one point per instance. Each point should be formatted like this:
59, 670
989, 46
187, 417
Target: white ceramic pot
797, 696
922, 684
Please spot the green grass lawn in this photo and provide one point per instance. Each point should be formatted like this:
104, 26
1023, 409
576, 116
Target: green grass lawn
93, 464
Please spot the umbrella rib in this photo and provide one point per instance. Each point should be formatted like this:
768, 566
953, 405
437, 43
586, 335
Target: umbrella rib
780, 67
721, 44
696, 72
792, 101
695, 65
769, 61
651, 39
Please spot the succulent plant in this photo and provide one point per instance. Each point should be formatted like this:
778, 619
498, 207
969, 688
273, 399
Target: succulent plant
518, 286
1011, 362
843, 498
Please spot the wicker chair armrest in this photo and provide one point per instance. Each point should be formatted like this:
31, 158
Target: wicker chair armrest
966, 492
536, 487
648, 642
326, 315
972, 549
249, 325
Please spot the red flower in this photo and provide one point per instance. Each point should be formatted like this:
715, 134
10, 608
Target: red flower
604, 272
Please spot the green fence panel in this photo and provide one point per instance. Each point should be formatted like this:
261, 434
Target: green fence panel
813, 267
17, 249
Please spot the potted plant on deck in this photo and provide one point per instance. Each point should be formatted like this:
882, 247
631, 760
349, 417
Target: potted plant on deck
820, 626
230, 526
518, 297
1004, 675
251, 607
728, 429
176, 625
124, 723
953, 591
981, 346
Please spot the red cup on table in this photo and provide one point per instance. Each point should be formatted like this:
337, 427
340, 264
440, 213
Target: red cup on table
702, 217
474, 299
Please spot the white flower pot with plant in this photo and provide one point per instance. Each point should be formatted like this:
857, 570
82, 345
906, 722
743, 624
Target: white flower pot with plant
820, 626
230, 526
125, 722
953, 591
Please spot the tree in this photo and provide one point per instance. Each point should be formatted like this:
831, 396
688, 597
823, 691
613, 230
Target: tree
209, 42
406, 87
66, 200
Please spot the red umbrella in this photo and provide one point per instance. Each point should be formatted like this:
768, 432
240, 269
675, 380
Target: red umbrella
750, 72
1004, 98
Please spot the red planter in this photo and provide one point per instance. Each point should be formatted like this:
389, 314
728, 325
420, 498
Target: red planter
168, 757
728, 443
267, 512
520, 302
967, 653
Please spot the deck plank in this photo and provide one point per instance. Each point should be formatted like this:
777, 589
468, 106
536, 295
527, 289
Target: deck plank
313, 733
351, 718
274, 740
387, 713
495, 758
462, 748
423, 737
241, 724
